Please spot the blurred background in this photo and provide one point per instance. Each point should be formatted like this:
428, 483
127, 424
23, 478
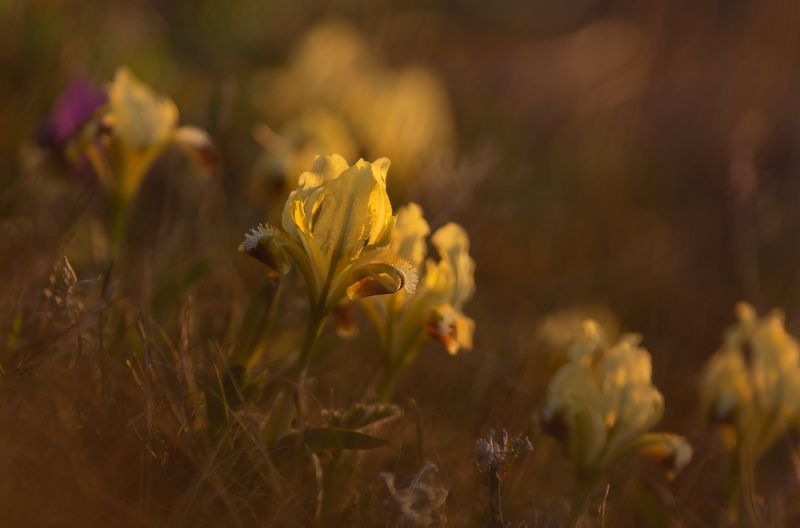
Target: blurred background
636, 162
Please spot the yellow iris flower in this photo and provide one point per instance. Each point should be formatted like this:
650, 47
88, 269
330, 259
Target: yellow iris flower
436, 307
143, 124
602, 402
400, 112
760, 394
336, 228
293, 148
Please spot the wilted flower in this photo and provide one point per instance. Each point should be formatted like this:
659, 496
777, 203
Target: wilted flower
418, 500
336, 228
436, 307
602, 402
757, 392
497, 455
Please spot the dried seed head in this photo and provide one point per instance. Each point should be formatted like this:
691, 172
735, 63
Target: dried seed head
496, 456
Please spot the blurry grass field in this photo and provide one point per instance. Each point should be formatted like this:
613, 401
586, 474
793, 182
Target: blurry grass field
531, 315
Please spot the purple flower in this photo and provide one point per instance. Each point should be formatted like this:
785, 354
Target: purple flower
73, 109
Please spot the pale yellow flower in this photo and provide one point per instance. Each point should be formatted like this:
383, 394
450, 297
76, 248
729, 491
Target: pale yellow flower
293, 148
143, 124
727, 384
403, 113
436, 307
602, 402
758, 392
336, 229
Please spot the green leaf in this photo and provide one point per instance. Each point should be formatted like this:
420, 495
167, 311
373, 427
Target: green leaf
361, 415
325, 439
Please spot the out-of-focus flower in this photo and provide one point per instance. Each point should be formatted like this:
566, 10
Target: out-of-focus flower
337, 226
406, 114
672, 452
436, 308
758, 393
401, 113
559, 332
602, 402
73, 109
117, 134
73, 127
290, 151
115, 137
143, 124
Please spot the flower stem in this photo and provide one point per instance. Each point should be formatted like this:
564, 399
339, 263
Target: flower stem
734, 491
387, 385
741, 485
118, 222
746, 474
397, 361
495, 507
313, 331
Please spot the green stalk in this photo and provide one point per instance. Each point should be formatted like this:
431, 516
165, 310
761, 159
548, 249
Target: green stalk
748, 484
734, 491
317, 317
396, 366
118, 222
741, 486
316, 321
119, 205
387, 385
392, 369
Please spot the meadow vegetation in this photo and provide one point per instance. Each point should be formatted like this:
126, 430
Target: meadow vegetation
276, 266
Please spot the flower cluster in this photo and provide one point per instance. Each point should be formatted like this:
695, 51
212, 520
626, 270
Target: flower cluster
339, 230
753, 380
336, 228
602, 402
